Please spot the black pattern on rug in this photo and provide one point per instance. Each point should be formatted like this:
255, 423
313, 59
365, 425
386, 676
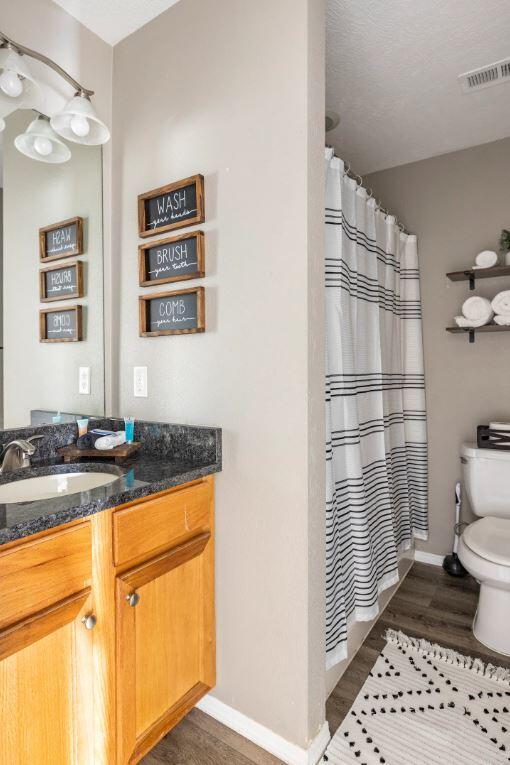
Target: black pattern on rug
426, 705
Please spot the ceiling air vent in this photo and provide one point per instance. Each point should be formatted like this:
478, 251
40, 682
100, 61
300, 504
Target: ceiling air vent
492, 74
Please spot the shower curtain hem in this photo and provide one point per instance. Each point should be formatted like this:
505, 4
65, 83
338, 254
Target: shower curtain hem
338, 655
340, 652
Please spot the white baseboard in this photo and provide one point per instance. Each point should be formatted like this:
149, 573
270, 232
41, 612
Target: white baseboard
425, 557
264, 737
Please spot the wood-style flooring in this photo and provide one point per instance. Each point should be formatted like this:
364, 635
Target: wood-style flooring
200, 740
428, 604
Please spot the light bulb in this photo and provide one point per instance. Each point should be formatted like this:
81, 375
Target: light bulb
80, 125
43, 146
10, 83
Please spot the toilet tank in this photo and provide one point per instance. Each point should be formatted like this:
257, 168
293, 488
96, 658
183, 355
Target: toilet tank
486, 480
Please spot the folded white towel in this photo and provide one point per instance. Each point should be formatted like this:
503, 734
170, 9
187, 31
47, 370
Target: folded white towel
501, 303
461, 321
477, 309
502, 319
486, 259
110, 442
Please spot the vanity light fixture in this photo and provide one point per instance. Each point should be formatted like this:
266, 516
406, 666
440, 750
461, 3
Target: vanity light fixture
40, 142
77, 121
18, 88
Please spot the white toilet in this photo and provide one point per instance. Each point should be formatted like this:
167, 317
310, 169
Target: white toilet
484, 547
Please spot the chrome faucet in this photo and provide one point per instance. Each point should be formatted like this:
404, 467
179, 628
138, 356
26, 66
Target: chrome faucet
16, 454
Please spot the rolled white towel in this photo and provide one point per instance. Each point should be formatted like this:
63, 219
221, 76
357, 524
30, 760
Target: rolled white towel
477, 308
461, 321
502, 319
501, 303
486, 259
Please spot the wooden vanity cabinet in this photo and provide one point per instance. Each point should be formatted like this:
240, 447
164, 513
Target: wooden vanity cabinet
107, 635
164, 614
46, 651
165, 643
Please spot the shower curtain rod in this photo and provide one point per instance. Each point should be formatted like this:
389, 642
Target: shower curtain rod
359, 180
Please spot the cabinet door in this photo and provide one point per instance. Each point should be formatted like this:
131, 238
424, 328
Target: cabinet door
45, 686
166, 647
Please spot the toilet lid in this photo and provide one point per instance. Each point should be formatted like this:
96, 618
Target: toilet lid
490, 538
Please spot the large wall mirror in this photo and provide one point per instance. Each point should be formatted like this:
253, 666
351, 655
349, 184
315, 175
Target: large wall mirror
51, 317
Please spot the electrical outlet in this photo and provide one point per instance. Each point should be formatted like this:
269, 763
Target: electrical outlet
84, 381
140, 381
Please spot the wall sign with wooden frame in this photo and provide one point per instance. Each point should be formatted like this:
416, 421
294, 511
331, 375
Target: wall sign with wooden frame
61, 240
172, 313
61, 325
173, 259
61, 282
170, 207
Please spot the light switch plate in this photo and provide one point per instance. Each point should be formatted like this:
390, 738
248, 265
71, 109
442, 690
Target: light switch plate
84, 381
140, 381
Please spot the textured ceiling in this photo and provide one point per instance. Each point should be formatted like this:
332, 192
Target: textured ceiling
392, 70
112, 20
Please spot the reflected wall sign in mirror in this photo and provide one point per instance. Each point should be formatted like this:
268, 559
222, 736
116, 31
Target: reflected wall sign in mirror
61, 240
61, 325
51, 212
61, 282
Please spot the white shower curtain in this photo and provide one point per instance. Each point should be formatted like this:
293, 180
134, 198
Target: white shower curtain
376, 446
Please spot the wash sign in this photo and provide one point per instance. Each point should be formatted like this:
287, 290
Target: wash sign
172, 206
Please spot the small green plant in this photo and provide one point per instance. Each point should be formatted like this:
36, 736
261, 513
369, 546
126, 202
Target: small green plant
504, 241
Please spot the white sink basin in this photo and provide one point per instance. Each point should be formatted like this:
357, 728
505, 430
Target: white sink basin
56, 485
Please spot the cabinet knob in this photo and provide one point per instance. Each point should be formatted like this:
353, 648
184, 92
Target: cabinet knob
89, 621
133, 599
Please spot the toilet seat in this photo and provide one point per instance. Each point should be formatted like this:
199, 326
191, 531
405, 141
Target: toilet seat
490, 539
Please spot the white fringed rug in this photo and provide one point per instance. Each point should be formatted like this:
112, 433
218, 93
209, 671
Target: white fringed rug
426, 705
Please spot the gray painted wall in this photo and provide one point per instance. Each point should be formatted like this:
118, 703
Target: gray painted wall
457, 204
257, 371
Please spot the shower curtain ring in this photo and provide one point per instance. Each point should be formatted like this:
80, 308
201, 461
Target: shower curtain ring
347, 171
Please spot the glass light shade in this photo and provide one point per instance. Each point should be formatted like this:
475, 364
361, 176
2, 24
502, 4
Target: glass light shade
11, 83
34, 142
2, 124
74, 115
32, 95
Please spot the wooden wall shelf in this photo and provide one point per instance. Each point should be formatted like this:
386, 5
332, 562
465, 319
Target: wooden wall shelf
473, 330
471, 274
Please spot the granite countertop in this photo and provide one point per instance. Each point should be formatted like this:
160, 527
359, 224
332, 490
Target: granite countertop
145, 474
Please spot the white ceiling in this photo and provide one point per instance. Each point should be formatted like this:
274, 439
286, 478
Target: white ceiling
392, 70
112, 20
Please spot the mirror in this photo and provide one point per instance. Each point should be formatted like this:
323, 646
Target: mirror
51, 317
